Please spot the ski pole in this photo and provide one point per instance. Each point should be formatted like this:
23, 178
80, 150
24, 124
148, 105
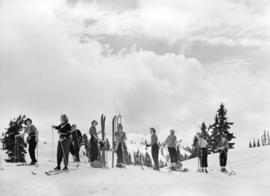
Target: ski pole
66, 163
52, 145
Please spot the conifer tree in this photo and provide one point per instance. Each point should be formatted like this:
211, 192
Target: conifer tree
250, 144
204, 132
147, 160
220, 128
254, 143
15, 149
268, 138
258, 143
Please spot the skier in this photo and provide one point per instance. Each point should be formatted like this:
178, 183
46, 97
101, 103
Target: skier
223, 147
63, 147
171, 143
32, 139
203, 151
120, 145
94, 141
154, 148
76, 139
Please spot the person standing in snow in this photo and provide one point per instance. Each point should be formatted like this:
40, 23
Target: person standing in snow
32, 139
76, 139
63, 147
120, 145
154, 148
171, 142
94, 141
203, 151
223, 147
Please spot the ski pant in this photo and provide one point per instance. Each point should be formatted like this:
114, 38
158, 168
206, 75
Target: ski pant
119, 152
93, 149
75, 150
203, 157
223, 159
155, 149
173, 154
63, 148
31, 148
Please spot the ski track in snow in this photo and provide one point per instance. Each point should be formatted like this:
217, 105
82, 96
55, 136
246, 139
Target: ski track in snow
251, 166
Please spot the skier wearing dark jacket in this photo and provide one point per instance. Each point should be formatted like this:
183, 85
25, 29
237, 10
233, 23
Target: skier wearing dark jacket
154, 148
223, 147
171, 143
63, 147
93, 141
32, 139
76, 139
203, 152
120, 145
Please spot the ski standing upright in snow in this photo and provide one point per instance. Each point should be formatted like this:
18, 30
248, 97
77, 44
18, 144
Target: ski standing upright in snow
113, 139
102, 122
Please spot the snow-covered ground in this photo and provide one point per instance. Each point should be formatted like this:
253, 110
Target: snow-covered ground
251, 165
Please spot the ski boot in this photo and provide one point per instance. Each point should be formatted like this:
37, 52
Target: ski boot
119, 165
65, 168
57, 168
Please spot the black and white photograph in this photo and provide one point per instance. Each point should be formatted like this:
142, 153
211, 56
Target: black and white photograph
134, 97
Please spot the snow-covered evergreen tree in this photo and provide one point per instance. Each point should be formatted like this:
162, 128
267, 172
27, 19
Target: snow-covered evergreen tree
16, 153
254, 143
250, 145
219, 128
258, 143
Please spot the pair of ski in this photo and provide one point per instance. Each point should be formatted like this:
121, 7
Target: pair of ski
56, 172
27, 164
231, 173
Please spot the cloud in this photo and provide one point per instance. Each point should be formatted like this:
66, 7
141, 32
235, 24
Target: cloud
46, 71
224, 22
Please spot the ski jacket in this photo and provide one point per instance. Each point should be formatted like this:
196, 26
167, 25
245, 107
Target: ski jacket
93, 131
120, 137
154, 139
202, 143
223, 146
64, 130
171, 141
32, 132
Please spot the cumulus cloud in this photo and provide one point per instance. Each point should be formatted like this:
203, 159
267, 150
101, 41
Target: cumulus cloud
46, 70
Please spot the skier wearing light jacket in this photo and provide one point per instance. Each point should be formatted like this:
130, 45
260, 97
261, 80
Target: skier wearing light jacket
120, 145
223, 147
171, 142
203, 146
63, 147
154, 148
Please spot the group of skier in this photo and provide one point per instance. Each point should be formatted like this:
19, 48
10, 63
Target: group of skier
70, 140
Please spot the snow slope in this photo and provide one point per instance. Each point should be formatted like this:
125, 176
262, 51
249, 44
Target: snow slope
251, 165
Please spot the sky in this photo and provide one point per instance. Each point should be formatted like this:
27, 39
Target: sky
163, 64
